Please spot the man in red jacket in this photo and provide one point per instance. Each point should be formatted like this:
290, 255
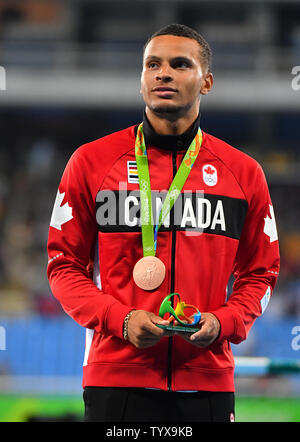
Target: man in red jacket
159, 208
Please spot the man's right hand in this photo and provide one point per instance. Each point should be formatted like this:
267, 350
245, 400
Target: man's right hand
142, 331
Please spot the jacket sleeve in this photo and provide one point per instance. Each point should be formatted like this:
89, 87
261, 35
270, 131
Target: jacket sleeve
256, 265
71, 247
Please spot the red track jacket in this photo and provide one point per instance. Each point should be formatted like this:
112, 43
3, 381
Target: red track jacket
222, 224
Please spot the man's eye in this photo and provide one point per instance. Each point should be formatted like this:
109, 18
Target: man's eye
152, 65
181, 65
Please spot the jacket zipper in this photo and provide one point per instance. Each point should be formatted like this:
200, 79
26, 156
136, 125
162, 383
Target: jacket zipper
173, 248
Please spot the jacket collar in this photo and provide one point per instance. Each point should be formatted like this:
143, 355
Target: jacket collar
169, 142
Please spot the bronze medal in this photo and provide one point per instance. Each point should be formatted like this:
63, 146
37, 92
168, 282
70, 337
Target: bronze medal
149, 272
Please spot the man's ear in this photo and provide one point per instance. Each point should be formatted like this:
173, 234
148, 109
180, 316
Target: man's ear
207, 83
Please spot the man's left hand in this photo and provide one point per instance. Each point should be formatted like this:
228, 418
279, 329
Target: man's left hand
207, 334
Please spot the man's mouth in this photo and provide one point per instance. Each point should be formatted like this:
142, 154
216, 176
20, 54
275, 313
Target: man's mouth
164, 91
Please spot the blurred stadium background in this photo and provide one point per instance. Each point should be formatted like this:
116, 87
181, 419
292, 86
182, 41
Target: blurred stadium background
72, 75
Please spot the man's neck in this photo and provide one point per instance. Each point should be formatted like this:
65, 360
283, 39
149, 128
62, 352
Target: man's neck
163, 126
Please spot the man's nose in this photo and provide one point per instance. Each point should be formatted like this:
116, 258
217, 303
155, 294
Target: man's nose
164, 74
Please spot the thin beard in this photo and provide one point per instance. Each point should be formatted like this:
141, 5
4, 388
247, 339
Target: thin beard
171, 113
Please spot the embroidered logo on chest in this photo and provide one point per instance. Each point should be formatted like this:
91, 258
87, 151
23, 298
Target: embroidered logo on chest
210, 175
132, 172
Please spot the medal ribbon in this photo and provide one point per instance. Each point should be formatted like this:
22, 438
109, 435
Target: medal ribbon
149, 234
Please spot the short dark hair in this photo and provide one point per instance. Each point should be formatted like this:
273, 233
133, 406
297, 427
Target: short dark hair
184, 31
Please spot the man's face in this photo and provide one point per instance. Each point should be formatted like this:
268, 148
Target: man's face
172, 76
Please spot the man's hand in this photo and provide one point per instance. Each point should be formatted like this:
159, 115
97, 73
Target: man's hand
208, 333
142, 331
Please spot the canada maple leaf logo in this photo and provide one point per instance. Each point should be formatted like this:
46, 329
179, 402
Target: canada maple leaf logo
209, 170
270, 225
210, 175
61, 214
